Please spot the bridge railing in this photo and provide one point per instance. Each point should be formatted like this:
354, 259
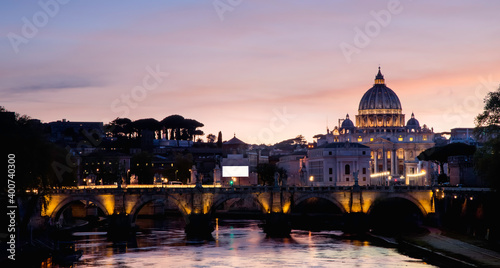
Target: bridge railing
259, 188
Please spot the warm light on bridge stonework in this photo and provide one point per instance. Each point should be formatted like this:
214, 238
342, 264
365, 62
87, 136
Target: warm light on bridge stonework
52, 203
286, 207
207, 203
108, 201
270, 199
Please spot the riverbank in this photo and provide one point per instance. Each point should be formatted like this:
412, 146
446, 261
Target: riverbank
446, 249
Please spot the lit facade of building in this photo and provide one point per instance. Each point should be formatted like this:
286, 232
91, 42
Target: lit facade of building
292, 164
380, 125
335, 164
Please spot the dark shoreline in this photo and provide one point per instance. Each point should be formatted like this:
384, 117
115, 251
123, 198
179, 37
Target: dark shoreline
407, 245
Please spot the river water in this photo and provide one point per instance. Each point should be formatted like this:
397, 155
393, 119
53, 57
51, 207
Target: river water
237, 243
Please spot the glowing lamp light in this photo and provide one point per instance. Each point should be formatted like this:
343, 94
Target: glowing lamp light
381, 174
417, 174
311, 178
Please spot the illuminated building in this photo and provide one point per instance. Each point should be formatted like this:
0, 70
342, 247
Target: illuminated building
334, 164
380, 125
236, 164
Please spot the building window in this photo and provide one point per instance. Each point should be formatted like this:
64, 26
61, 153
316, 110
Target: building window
360, 139
371, 139
364, 178
411, 138
424, 137
388, 154
330, 171
364, 170
316, 170
330, 153
331, 179
347, 169
364, 152
400, 153
347, 179
400, 138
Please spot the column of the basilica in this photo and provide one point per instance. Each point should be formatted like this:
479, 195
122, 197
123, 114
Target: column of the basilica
375, 161
394, 169
384, 153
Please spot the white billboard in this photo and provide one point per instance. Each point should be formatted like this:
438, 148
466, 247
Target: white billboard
234, 171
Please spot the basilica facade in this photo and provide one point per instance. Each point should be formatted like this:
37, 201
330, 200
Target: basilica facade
394, 143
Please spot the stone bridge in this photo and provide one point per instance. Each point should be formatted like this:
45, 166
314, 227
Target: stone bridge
199, 203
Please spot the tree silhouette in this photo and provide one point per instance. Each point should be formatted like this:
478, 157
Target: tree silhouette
39, 163
440, 154
487, 158
120, 127
211, 138
488, 122
173, 125
219, 140
265, 173
181, 128
150, 124
291, 144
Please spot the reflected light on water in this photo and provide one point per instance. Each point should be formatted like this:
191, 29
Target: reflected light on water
237, 243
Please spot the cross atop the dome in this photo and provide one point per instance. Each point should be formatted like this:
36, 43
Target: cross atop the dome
379, 79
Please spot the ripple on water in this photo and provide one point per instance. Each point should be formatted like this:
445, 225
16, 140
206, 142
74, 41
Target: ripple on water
240, 244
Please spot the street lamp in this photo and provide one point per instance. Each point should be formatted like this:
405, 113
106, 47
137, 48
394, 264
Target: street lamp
311, 179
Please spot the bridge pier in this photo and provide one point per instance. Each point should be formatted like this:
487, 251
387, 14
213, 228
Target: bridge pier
277, 224
119, 226
199, 226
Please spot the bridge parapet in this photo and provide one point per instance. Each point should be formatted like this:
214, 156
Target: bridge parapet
465, 189
210, 189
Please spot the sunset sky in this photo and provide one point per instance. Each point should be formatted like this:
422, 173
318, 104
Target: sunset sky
265, 70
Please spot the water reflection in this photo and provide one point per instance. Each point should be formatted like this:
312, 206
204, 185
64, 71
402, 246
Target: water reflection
237, 243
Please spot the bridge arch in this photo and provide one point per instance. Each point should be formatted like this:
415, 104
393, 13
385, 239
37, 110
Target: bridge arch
220, 199
65, 203
393, 196
396, 213
145, 199
329, 198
